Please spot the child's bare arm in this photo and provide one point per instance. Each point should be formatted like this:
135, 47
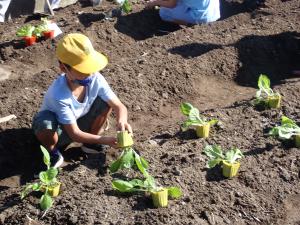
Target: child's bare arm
121, 114
163, 3
80, 136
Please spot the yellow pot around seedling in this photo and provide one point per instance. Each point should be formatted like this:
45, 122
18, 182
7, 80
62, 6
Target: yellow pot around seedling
160, 198
297, 140
124, 139
203, 130
274, 101
230, 169
53, 191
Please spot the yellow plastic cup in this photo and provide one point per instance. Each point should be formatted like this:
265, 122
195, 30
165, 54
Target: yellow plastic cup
297, 140
53, 191
160, 198
274, 101
230, 169
203, 130
124, 139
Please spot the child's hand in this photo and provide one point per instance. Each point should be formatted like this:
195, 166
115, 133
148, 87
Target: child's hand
124, 126
111, 141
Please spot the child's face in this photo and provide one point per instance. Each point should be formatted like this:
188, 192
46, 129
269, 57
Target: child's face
72, 73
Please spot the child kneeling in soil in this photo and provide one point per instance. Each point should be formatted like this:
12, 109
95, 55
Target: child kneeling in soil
187, 11
77, 104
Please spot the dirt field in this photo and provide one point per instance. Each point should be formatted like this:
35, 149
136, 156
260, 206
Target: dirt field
153, 68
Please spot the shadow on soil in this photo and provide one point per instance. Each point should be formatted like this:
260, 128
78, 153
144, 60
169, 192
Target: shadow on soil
274, 55
144, 24
214, 174
142, 202
19, 154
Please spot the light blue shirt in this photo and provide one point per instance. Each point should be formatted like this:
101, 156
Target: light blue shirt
203, 10
60, 100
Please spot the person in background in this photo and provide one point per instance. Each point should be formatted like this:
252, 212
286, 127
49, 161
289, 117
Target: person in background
187, 11
76, 106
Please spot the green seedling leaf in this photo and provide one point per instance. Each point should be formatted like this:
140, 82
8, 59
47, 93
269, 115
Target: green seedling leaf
126, 7
214, 152
46, 202
114, 167
25, 31
122, 186
213, 122
286, 130
194, 117
127, 159
49, 176
264, 91
186, 108
144, 163
174, 192
46, 156
213, 162
140, 164
233, 155
26, 191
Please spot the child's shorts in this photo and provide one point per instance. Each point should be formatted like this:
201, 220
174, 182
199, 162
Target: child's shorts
46, 120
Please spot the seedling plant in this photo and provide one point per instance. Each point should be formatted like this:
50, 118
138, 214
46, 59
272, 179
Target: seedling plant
195, 119
131, 159
287, 130
265, 96
229, 160
159, 194
48, 183
125, 5
26, 33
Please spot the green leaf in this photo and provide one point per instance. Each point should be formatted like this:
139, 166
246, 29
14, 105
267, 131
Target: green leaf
126, 7
137, 183
149, 183
264, 86
144, 162
51, 173
214, 152
46, 202
122, 186
233, 155
286, 120
44, 177
114, 167
186, 108
127, 160
46, 156
174, 192
36, 186
140, 165
25, 31
213, 122
213, 162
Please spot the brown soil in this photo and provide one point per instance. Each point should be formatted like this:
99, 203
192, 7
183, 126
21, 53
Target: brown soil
213, 66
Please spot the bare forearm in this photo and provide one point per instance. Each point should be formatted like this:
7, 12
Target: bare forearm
121, 114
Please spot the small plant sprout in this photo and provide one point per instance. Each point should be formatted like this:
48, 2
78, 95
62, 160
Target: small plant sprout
230, 165
43, 29
26, 33
195, 119
265, 96
48, 183
125, 5
287, 130
129, 159
159, 194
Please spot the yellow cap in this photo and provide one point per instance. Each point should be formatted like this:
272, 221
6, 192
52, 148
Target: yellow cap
76, 50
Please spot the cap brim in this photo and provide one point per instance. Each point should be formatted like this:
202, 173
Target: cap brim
93, 63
